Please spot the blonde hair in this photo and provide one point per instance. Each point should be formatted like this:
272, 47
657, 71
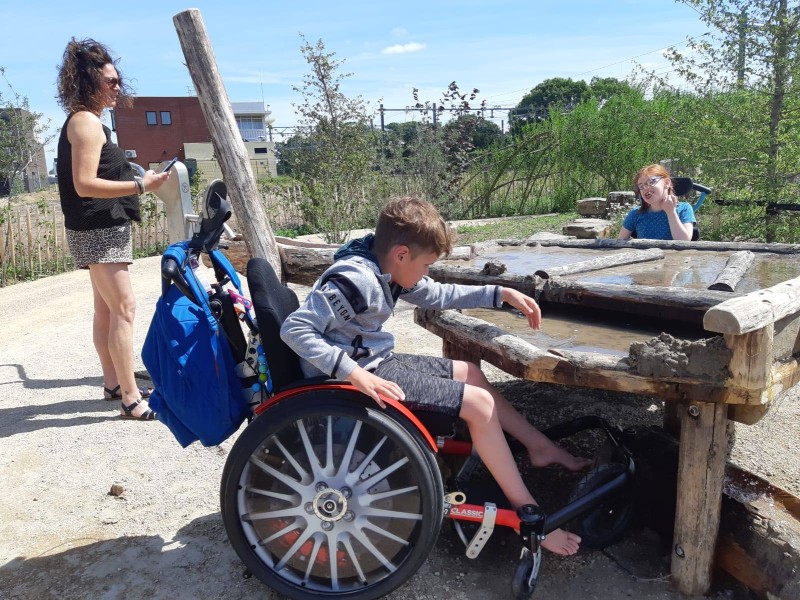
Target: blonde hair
650, 170
413, 222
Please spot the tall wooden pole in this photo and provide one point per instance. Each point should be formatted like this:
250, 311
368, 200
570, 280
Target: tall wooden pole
225, 136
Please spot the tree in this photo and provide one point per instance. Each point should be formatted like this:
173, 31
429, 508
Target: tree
22, 137
752, 49
558, 91
482, 132
334, 159
605, 88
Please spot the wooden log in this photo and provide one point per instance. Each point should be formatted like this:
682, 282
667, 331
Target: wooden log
603, 262
305, 265
457, 351
225, 136
734, 270
754, 310
701, 467
679, 304
675, 245
472, 276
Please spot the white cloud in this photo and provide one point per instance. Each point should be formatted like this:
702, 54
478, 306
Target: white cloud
403, 48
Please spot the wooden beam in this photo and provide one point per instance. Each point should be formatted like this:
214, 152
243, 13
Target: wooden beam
702, 455
734, 270
751, 358
755, 310
226, 137
603, 262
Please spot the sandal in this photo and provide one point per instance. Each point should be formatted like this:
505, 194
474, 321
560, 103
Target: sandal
114, 394
148, 415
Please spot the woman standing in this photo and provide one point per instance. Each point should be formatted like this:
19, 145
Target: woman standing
99, 198
661, 216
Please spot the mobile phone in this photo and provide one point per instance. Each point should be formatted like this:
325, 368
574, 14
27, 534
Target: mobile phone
169, 165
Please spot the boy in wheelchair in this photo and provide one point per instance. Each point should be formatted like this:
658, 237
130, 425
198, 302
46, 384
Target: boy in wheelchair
337, 332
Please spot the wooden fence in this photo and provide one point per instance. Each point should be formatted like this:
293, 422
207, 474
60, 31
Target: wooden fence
33, 241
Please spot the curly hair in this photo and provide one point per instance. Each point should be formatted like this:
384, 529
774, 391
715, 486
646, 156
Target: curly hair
80, 77
413, 222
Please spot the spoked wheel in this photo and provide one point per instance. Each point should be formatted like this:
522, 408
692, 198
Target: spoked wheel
608, 522
526, 574
326, 494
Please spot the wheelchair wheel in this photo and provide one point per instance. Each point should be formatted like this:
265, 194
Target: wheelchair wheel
325, 494
609, 521
526, 574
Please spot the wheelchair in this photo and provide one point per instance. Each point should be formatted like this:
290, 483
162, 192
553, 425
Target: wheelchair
326, 494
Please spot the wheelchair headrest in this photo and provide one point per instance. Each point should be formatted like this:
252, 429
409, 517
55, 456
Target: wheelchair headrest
684, 185
216, 210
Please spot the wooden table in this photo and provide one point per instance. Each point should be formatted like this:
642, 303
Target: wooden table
746, 354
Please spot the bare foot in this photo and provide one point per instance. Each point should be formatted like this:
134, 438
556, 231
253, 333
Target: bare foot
562, 542
553, 454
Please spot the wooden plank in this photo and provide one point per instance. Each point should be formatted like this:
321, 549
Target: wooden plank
457, 351
754, 310
225, 137
701, 467
603, 262
734, 270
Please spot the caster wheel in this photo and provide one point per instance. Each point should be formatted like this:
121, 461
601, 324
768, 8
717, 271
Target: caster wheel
526, 575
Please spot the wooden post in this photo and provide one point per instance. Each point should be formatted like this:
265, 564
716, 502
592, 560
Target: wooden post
701, 468
226, 138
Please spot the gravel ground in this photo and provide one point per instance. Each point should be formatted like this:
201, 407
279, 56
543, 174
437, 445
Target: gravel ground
62, 448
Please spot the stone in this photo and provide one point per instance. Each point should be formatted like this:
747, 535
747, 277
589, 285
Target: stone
592, 207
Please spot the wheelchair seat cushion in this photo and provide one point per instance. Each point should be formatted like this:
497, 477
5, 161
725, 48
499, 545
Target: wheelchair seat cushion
273, 302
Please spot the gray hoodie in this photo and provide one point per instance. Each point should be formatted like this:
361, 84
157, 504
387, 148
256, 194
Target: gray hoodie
340, 324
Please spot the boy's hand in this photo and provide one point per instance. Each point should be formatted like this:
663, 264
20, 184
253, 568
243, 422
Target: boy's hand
525, 304
373, 386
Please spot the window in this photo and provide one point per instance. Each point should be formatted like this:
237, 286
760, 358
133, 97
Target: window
251, 128
166, 117
151, 117
260, 150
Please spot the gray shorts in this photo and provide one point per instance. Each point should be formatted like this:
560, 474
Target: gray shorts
427, 382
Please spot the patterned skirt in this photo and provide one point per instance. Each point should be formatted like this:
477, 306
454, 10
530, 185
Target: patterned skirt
108, 245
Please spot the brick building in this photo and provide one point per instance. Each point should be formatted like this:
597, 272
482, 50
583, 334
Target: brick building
157, 128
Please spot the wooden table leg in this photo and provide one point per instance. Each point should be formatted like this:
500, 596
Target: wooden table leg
701, 468
672, 417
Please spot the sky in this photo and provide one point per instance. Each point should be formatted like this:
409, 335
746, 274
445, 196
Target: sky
502, 47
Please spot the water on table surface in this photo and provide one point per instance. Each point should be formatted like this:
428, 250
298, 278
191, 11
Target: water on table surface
694, 269
587, 331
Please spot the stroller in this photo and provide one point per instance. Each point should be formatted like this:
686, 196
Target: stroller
324, 493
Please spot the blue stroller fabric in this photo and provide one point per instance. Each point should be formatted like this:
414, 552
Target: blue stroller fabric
197, 393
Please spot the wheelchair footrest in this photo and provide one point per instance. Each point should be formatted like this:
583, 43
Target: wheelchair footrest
485, 531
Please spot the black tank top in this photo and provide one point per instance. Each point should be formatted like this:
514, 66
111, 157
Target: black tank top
95, 213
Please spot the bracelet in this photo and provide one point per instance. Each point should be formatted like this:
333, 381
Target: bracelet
139, 184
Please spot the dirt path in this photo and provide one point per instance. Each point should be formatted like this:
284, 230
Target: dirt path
61, 449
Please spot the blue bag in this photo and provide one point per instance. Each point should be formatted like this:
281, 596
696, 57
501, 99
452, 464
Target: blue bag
197, 392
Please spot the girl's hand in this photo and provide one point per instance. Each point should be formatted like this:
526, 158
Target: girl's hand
525, 304
670, 203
